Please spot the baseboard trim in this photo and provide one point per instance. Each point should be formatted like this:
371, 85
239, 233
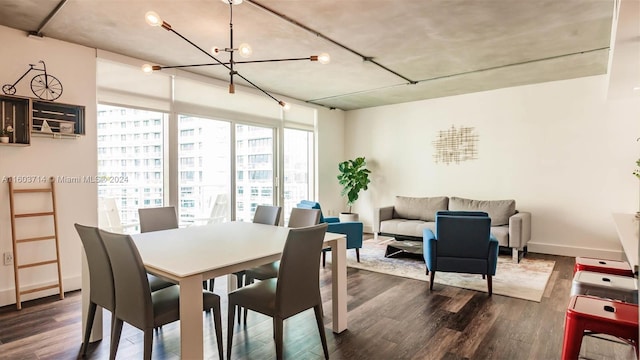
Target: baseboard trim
573, 251
8, 296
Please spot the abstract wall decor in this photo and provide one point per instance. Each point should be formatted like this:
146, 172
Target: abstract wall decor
455, 145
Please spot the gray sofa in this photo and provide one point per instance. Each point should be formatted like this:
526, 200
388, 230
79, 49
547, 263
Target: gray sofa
409, 216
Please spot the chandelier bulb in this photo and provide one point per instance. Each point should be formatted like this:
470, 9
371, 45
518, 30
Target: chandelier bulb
147, 69
285, 106
153, 18
324, 58
245, 50
215, 50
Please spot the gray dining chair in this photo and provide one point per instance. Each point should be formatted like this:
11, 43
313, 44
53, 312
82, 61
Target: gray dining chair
101, 291
157, 219
296, 289
298, 218
265, 214
136, 304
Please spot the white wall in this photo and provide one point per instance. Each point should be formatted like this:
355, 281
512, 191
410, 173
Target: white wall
330, 152
74, 66
559, 149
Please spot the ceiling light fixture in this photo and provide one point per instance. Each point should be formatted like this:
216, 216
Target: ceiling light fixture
243, 50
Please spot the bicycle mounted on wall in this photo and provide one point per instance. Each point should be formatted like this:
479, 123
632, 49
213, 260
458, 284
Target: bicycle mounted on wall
44, 86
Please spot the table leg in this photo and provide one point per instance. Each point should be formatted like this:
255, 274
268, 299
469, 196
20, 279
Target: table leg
232, 282
191, 325
339, 284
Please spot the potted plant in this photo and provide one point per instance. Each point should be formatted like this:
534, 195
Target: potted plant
354, 177
5, 133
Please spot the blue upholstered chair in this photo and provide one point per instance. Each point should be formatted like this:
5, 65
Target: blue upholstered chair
463, 243
352, 229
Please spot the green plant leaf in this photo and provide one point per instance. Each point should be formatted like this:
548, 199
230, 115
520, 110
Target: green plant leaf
354, 177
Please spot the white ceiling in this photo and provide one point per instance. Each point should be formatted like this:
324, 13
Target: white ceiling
447, 47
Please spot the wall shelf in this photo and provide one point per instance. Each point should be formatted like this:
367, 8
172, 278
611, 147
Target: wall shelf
15, 111
63, 119
54, 135
27, 116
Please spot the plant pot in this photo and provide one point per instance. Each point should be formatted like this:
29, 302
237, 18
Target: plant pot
4, 139
344, 217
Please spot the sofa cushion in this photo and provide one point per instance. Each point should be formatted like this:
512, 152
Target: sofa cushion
501, 233
419, 208
499, 210
406, 227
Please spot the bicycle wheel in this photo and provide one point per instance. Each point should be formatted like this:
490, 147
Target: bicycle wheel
9, 89
46, 87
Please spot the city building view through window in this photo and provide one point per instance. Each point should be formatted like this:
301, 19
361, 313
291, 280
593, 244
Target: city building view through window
133, 154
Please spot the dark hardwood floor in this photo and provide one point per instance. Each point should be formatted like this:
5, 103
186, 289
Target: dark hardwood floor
389, 318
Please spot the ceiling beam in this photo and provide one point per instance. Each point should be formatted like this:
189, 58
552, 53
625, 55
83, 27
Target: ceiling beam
334, 42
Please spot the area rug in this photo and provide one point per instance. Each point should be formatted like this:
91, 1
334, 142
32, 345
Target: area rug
525, 280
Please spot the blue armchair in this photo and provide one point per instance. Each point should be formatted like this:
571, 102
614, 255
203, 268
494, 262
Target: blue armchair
352, 229
463, 243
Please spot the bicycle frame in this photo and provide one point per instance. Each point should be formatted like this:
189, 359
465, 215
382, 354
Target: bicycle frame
32, 67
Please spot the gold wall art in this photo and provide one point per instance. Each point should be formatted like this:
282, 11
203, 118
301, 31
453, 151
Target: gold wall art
455, 145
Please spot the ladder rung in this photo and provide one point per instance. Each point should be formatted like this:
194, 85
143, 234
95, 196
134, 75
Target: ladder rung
31, 190
39, 289
37, 264
34, 214
50, 237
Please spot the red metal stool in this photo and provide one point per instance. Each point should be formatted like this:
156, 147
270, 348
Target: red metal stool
587, 313
614, 267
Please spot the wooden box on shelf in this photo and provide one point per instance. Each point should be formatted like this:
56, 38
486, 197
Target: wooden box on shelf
57, 118
15, 115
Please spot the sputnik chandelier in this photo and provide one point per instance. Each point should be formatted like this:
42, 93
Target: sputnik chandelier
244, 50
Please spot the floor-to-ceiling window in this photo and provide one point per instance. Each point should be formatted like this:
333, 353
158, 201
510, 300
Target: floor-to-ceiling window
130, 164
231, 153
204, 170
298, 168
254, 169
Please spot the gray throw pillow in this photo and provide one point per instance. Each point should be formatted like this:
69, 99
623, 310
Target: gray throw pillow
419, 208
499, 210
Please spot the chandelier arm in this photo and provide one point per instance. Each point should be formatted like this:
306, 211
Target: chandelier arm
258, 87
201, 49
272, 60
236, 62
192, 65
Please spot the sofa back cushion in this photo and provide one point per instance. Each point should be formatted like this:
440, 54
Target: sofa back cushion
499, 210
419, 208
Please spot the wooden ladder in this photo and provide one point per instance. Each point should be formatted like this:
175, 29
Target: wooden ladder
16, 263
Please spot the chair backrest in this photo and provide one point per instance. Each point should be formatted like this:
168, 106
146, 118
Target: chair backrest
304, 217
463, 236
102, 290
298, 276
308, 204
133, 295
219, 209
156, 219
266, 214
108, 215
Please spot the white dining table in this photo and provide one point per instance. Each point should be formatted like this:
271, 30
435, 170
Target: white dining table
191, 255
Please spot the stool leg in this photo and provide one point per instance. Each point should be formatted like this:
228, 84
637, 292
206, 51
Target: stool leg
573, 332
